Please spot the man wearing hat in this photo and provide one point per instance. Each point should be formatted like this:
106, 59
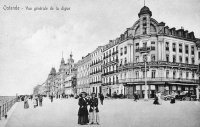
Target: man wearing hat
94, 116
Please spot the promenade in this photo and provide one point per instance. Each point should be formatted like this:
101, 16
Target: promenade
114, 113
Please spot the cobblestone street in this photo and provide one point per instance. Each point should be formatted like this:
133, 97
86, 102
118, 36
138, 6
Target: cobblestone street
118, 113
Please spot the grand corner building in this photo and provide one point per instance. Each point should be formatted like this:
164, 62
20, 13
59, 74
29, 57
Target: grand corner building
171, 55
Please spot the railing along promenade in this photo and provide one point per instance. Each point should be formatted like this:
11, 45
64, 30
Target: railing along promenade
6, 102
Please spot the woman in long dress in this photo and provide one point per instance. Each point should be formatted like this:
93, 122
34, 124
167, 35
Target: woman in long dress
26, 105
34, 101
94, 111
156, 99
173, 97
83, 112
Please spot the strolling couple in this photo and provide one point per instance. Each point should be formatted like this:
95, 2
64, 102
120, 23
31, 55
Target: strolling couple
157, 100
83, 111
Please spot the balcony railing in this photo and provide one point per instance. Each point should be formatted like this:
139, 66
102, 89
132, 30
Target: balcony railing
158, 64
95, 82
129, 80
111, 72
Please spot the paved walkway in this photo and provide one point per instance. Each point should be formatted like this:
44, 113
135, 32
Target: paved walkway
114, 113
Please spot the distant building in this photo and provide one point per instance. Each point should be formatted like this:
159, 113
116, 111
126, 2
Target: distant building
63, 81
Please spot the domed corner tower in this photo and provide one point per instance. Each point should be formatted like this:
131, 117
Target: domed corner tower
145, 18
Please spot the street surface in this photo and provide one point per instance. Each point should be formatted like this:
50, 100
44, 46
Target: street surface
114, 113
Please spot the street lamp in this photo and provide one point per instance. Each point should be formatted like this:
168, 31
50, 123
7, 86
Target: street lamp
145, 51
145, 70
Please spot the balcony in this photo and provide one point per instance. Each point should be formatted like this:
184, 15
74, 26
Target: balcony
111, 72
145, 49
160, 64
95, 82
163, 79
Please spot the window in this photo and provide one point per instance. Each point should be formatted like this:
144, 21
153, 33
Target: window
180, 74
174, 47
193, 60
137, 74
137, 59
121, 62
187, 75
192, 50
143, 74
174, 58
121, 51
186, 49
167, 74
199, 55
125, 61
167, 46
180, 48
174, 74
192, 75
144, 58
153, 45
167, 58
145, 44
186, 60
125, 50
137, 47
153, 57
153, 74
180, 59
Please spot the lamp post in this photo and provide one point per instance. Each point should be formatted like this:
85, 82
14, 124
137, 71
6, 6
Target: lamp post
145, 70
145, 51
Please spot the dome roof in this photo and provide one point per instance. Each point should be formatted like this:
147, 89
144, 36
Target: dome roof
145, 10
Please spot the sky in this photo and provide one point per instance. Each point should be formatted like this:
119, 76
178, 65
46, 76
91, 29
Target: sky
32, 42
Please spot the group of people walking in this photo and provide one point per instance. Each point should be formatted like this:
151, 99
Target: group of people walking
158, 100
37, 101
91, 117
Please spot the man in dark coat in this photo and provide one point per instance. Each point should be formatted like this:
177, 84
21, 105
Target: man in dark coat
83, 112
40, 100
101, 98
94, 116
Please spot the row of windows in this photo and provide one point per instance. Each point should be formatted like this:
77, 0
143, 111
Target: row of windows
153, 74
180, 59
97, 53
111, 51
112, 79
125, 50
180, 48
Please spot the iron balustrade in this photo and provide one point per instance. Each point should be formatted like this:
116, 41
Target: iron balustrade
127, 80
158, 64
6, 106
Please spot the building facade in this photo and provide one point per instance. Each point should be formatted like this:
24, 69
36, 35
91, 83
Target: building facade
96, 70
83, 75
171, 58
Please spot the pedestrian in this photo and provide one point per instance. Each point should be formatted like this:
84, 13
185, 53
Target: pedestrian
101, 98
26, 105
83, 111
40, 100
94, 111
159, 98
51, 97
35, 101
136, 96
173, 97
156, 99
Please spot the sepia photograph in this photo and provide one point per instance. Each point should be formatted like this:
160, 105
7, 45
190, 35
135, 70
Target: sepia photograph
99, 63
